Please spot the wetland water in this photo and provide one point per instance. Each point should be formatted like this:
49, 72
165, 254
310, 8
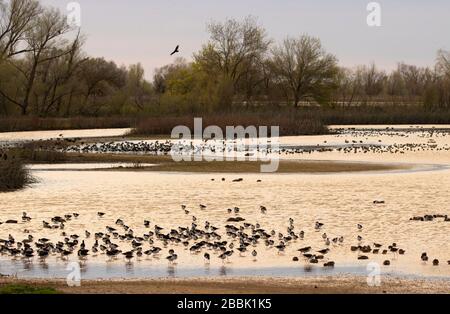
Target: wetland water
339, 201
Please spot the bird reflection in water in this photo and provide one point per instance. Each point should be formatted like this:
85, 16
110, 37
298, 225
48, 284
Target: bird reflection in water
83, 268
222, 271
171, 271
129, 267
27, 265
308, 268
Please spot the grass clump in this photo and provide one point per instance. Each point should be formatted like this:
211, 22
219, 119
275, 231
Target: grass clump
26, 289
13, 173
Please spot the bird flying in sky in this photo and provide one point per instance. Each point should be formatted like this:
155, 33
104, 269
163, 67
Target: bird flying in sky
177, 49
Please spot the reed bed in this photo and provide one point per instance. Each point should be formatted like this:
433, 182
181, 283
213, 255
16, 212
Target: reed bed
19, 123
292, 124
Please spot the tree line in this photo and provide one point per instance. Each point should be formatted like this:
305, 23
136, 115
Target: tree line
45, 72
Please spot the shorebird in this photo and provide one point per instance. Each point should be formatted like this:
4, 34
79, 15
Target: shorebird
324, 251
25, 218
172, 258
305, 249
318, 225
100, 214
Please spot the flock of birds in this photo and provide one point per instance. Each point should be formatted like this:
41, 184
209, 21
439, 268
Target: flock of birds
214, 146
236, 237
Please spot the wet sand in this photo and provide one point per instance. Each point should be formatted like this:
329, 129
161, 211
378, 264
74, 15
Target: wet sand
252, 285
166, 164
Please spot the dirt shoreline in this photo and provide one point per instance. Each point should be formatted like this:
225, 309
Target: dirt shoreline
166, 163
242, 285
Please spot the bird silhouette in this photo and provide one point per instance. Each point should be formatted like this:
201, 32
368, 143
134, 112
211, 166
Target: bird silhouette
177, 49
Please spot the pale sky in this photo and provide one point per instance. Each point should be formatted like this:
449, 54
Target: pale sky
146, 31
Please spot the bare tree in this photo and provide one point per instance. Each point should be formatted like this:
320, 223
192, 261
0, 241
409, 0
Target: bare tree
16, 20
443, 63
305, 68
44, 42
234, 50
